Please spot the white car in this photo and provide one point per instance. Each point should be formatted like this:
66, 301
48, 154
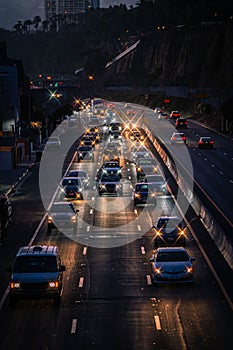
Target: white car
53, 143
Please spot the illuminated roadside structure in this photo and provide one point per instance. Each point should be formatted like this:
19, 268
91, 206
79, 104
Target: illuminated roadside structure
68, 9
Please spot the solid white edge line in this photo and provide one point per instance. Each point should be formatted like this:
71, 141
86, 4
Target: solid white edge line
157, 323
74, 326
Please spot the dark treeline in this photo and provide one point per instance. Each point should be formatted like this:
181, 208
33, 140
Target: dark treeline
90, 40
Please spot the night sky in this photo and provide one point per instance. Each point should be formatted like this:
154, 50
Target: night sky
13, 10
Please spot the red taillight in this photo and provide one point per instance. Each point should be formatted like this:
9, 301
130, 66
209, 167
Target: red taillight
211, 142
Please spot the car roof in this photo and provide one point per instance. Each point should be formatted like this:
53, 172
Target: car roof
171, 249
37, 250
168, 218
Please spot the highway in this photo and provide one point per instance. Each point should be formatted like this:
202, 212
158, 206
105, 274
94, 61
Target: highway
109, 301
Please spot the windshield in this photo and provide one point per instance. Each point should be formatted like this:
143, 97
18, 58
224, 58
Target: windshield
172, 256
84, 149
30, 264
168, 223
107, 178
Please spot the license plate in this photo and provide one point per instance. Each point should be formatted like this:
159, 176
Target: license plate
170, 239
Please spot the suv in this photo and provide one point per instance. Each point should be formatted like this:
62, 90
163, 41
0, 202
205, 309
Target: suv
62, 215
169, 230
181, 123
37, 272
174, 114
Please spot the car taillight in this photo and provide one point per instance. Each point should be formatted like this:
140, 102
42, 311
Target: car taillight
211, 142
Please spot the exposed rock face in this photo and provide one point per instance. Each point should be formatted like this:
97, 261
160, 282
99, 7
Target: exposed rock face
191, 56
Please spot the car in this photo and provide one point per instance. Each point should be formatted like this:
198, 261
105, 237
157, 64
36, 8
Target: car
146, 166
181, 123
157, 183
206, 142
130, 112
93, 120
6, 216
142, 194
80, 174
111, 155
136, 135
158, 110
62, 215
53, 143
112, 167
141, 152
37, 272
172, 265
72, 192
115, 136
169, 230
110, 184
72, 181
178, 138
85, 153
163, 115
115, 127
174, 114
87, 141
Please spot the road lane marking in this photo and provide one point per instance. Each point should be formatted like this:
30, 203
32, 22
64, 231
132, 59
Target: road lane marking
92, 198
135, 211
81, 281
143, 250
88, 228
139, 228
84, 250
91, 211
213, 166
74, 326
220, 172
157, 323
148, 278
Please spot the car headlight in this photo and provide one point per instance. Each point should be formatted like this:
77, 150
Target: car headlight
137, 195
15, 285
50, 219
80, 154
157, 270
189, 269
158, 233
53, 284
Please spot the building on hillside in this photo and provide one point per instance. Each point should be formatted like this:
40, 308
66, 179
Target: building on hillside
68, 8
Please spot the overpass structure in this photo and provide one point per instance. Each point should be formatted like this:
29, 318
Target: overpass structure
123, 54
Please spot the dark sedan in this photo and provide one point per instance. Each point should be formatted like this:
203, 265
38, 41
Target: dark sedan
110, 184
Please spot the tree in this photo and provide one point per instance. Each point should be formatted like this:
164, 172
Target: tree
36, 21
18, 27
28, 24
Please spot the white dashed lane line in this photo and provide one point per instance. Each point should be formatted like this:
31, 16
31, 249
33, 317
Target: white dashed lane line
157, 323
84, 250
148, 279
143, 250
74, 326
81, 281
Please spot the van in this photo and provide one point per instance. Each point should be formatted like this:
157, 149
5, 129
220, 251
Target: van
37, 272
